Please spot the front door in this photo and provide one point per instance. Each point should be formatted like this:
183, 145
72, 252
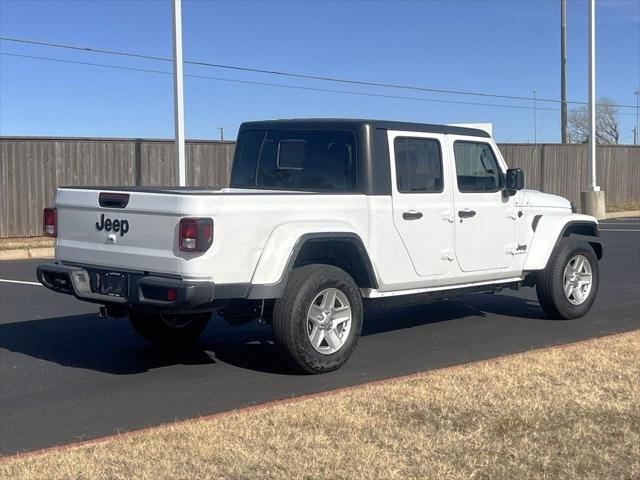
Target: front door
484, 228
422, 200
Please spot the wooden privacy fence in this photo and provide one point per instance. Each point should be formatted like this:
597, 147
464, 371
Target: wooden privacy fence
32, 168
562, 169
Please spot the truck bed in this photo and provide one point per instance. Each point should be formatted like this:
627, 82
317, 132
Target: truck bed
154, 189
243, 221
172, 190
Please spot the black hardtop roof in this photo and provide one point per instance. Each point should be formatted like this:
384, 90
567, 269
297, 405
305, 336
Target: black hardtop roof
357, 124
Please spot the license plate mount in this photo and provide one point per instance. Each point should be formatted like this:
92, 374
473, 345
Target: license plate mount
113, 284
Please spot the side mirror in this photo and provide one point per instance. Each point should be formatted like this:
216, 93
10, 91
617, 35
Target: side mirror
514, 180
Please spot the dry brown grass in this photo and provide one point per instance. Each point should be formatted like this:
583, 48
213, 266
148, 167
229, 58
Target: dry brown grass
29, 242
566, 413
623, 207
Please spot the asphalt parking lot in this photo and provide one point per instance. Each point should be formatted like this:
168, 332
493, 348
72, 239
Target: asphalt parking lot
67, 375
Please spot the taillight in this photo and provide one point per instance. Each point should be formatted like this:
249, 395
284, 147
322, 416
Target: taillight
196, 234
49, 222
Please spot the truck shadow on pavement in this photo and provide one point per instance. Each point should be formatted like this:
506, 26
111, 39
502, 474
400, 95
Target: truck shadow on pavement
111, 346
90, 342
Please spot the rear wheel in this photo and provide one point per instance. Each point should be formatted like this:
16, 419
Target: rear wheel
318, 320
567, 287
169, 329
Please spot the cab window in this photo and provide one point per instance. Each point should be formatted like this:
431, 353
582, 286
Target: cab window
418, 165
477, 169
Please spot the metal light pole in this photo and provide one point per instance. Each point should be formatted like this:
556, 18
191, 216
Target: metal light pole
592, 198
592, 184
563, 71
178, 92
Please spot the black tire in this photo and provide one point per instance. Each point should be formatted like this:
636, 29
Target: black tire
550, 281
290, 318
162, 331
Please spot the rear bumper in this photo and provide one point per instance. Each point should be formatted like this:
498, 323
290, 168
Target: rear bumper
144, 290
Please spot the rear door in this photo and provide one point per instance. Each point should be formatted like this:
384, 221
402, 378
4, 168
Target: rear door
422, 199
484, 228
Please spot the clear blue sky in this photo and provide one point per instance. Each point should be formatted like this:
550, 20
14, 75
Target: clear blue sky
506, 47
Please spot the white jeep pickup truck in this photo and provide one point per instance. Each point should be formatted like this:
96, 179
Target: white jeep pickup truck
321, 214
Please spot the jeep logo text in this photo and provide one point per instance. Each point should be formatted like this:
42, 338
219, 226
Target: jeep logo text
109, 225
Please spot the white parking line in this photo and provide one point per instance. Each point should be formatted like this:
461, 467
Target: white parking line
20, 282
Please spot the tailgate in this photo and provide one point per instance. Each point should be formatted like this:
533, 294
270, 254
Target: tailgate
120, 230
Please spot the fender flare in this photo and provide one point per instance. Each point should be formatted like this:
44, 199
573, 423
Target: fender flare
550, 230
271, 282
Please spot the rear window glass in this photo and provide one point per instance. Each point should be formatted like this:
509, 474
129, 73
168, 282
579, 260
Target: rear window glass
418, 165
295, 160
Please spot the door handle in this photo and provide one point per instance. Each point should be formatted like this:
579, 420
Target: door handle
466, 213
412, 215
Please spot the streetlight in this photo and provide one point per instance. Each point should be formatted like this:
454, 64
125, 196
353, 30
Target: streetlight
178, 95
592, 198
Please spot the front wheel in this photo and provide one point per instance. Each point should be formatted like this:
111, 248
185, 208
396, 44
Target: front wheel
318, 320
567, 287
169, 329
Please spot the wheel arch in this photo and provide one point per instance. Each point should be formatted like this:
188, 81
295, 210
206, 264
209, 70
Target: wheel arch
585, 231
550, 231
342, 249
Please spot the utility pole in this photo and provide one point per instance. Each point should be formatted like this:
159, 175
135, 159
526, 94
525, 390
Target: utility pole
535, 117
221, 133
178, 93
563, 70
592, 198
635, 130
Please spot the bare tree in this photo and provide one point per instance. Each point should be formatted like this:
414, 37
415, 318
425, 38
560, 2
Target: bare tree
607, 129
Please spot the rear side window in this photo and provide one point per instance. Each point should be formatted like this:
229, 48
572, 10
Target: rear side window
477, 169
418, 165
296, 160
